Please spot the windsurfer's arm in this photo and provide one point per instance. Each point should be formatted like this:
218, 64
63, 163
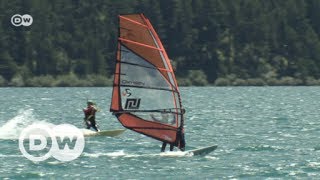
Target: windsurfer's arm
95, 108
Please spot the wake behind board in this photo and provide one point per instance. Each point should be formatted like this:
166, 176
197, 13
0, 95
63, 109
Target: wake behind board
110, 133
203, 151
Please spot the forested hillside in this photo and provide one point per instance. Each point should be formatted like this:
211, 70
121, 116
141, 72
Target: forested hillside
210, 42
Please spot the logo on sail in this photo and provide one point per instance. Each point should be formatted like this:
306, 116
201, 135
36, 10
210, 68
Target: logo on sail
132, 103
132, 83
126, 92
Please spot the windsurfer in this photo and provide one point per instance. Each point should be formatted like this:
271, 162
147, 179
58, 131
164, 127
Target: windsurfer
180, 143
164, 119
180, 134
90, 116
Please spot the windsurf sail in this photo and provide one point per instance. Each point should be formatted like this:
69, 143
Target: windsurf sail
146, 97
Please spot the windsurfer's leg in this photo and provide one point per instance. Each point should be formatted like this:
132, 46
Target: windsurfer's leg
182, 144
95, 128
88, 124
94, 125
164, 144
171, 147
98, 130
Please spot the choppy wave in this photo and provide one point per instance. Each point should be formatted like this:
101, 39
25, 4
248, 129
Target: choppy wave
260, 148
10, 155
24, 118
262, 133
12, 128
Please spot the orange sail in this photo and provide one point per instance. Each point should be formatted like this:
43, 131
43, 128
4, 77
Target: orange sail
145, 96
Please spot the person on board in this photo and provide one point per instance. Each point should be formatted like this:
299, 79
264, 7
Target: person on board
90, 116
164, 119
180, 134
180, 142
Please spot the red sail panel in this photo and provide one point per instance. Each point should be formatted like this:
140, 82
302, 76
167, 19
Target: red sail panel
155, 130
136, 34
166, 58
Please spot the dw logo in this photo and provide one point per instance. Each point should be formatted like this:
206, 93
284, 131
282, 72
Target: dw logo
39, 142
132, 103
24, 20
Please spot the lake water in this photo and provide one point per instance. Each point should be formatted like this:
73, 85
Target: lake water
262, 132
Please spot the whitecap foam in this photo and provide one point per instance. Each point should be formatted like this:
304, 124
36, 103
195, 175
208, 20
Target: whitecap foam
116, 154
122, 153
176, 154
12, 128
110, 154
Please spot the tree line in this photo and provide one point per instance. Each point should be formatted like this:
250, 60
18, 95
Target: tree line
210, 42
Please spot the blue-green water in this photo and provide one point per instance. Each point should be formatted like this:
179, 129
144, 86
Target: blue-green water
262, 132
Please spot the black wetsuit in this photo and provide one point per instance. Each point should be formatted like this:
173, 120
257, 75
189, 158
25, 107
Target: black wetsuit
90, 118
92, 124
164, 145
